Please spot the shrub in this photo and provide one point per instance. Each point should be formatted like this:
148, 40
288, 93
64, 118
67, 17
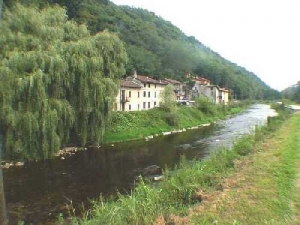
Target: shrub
172, 119
206, 106
244, 145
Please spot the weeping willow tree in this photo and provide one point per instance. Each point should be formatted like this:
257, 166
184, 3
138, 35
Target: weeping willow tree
56, 79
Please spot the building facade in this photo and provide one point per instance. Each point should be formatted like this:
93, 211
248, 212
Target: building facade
203, 87
139, 92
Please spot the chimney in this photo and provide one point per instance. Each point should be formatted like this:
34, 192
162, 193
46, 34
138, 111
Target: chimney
135, 74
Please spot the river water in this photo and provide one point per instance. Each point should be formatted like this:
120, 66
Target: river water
41, 190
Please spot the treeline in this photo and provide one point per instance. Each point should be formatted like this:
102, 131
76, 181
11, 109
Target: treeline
292, 93
157, 48
59, 79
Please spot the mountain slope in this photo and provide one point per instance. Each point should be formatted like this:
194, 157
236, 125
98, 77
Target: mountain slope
159, 49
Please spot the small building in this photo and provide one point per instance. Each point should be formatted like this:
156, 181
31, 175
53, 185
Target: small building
139, 92
178, 88
213, 93
224, 96
216, 94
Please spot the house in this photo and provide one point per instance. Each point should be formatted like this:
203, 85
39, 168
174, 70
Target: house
203, 87
178, 88
224, 96
213, 93
139, 92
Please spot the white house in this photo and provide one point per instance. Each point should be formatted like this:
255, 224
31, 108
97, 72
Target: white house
139, 92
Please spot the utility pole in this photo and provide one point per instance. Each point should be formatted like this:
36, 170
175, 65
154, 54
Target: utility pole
3, 216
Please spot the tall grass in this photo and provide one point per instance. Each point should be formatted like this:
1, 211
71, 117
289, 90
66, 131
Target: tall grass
136, 125
176, 193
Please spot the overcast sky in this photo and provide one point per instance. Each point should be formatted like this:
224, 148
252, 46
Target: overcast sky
261, 35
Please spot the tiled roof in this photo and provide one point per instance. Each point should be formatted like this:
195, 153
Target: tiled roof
147, 80
171, 81
201, 79
130, 84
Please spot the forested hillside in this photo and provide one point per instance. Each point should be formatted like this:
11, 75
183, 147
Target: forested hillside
157, 48
292, 93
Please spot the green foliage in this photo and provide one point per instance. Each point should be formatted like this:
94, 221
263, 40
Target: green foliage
292, 93
206, 106
56, 79
157, 48
172, 118
135, 125
244, 145
168, 98
180, 188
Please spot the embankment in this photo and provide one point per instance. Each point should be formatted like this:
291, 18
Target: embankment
252, 183
136, 125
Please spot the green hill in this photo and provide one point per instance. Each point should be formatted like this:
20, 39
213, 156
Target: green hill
157, 48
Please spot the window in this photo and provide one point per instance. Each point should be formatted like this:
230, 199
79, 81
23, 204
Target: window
138, 106
154, 103
144, 85
138, 94
154, 94
148, 85
129, 94
144, 94
148, 94
144, 105
148, 105
129, 107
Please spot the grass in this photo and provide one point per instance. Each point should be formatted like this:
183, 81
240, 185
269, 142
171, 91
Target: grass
263, 190
256, 182
136, 125
253, 183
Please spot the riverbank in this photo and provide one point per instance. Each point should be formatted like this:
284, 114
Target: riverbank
127, 126
197, 192
263, 187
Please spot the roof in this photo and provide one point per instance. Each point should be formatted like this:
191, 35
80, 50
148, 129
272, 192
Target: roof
146, 79
171, 81
224, 89
214, 85
201, 79
130, 84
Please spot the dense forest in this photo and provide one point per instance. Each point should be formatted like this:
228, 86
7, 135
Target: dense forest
157, 48
61, 62
292, 93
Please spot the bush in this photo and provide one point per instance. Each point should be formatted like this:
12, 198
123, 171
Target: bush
172, 119
244, 145
206, 106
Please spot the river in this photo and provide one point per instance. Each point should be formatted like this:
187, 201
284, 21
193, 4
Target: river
39, 191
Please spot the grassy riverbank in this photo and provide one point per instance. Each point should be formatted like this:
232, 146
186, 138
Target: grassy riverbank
135, 125
264, 186
254, 183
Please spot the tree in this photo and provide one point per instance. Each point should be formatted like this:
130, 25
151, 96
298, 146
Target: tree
168, 98
55, 80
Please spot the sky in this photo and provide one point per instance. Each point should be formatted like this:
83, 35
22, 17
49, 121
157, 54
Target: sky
261, 35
